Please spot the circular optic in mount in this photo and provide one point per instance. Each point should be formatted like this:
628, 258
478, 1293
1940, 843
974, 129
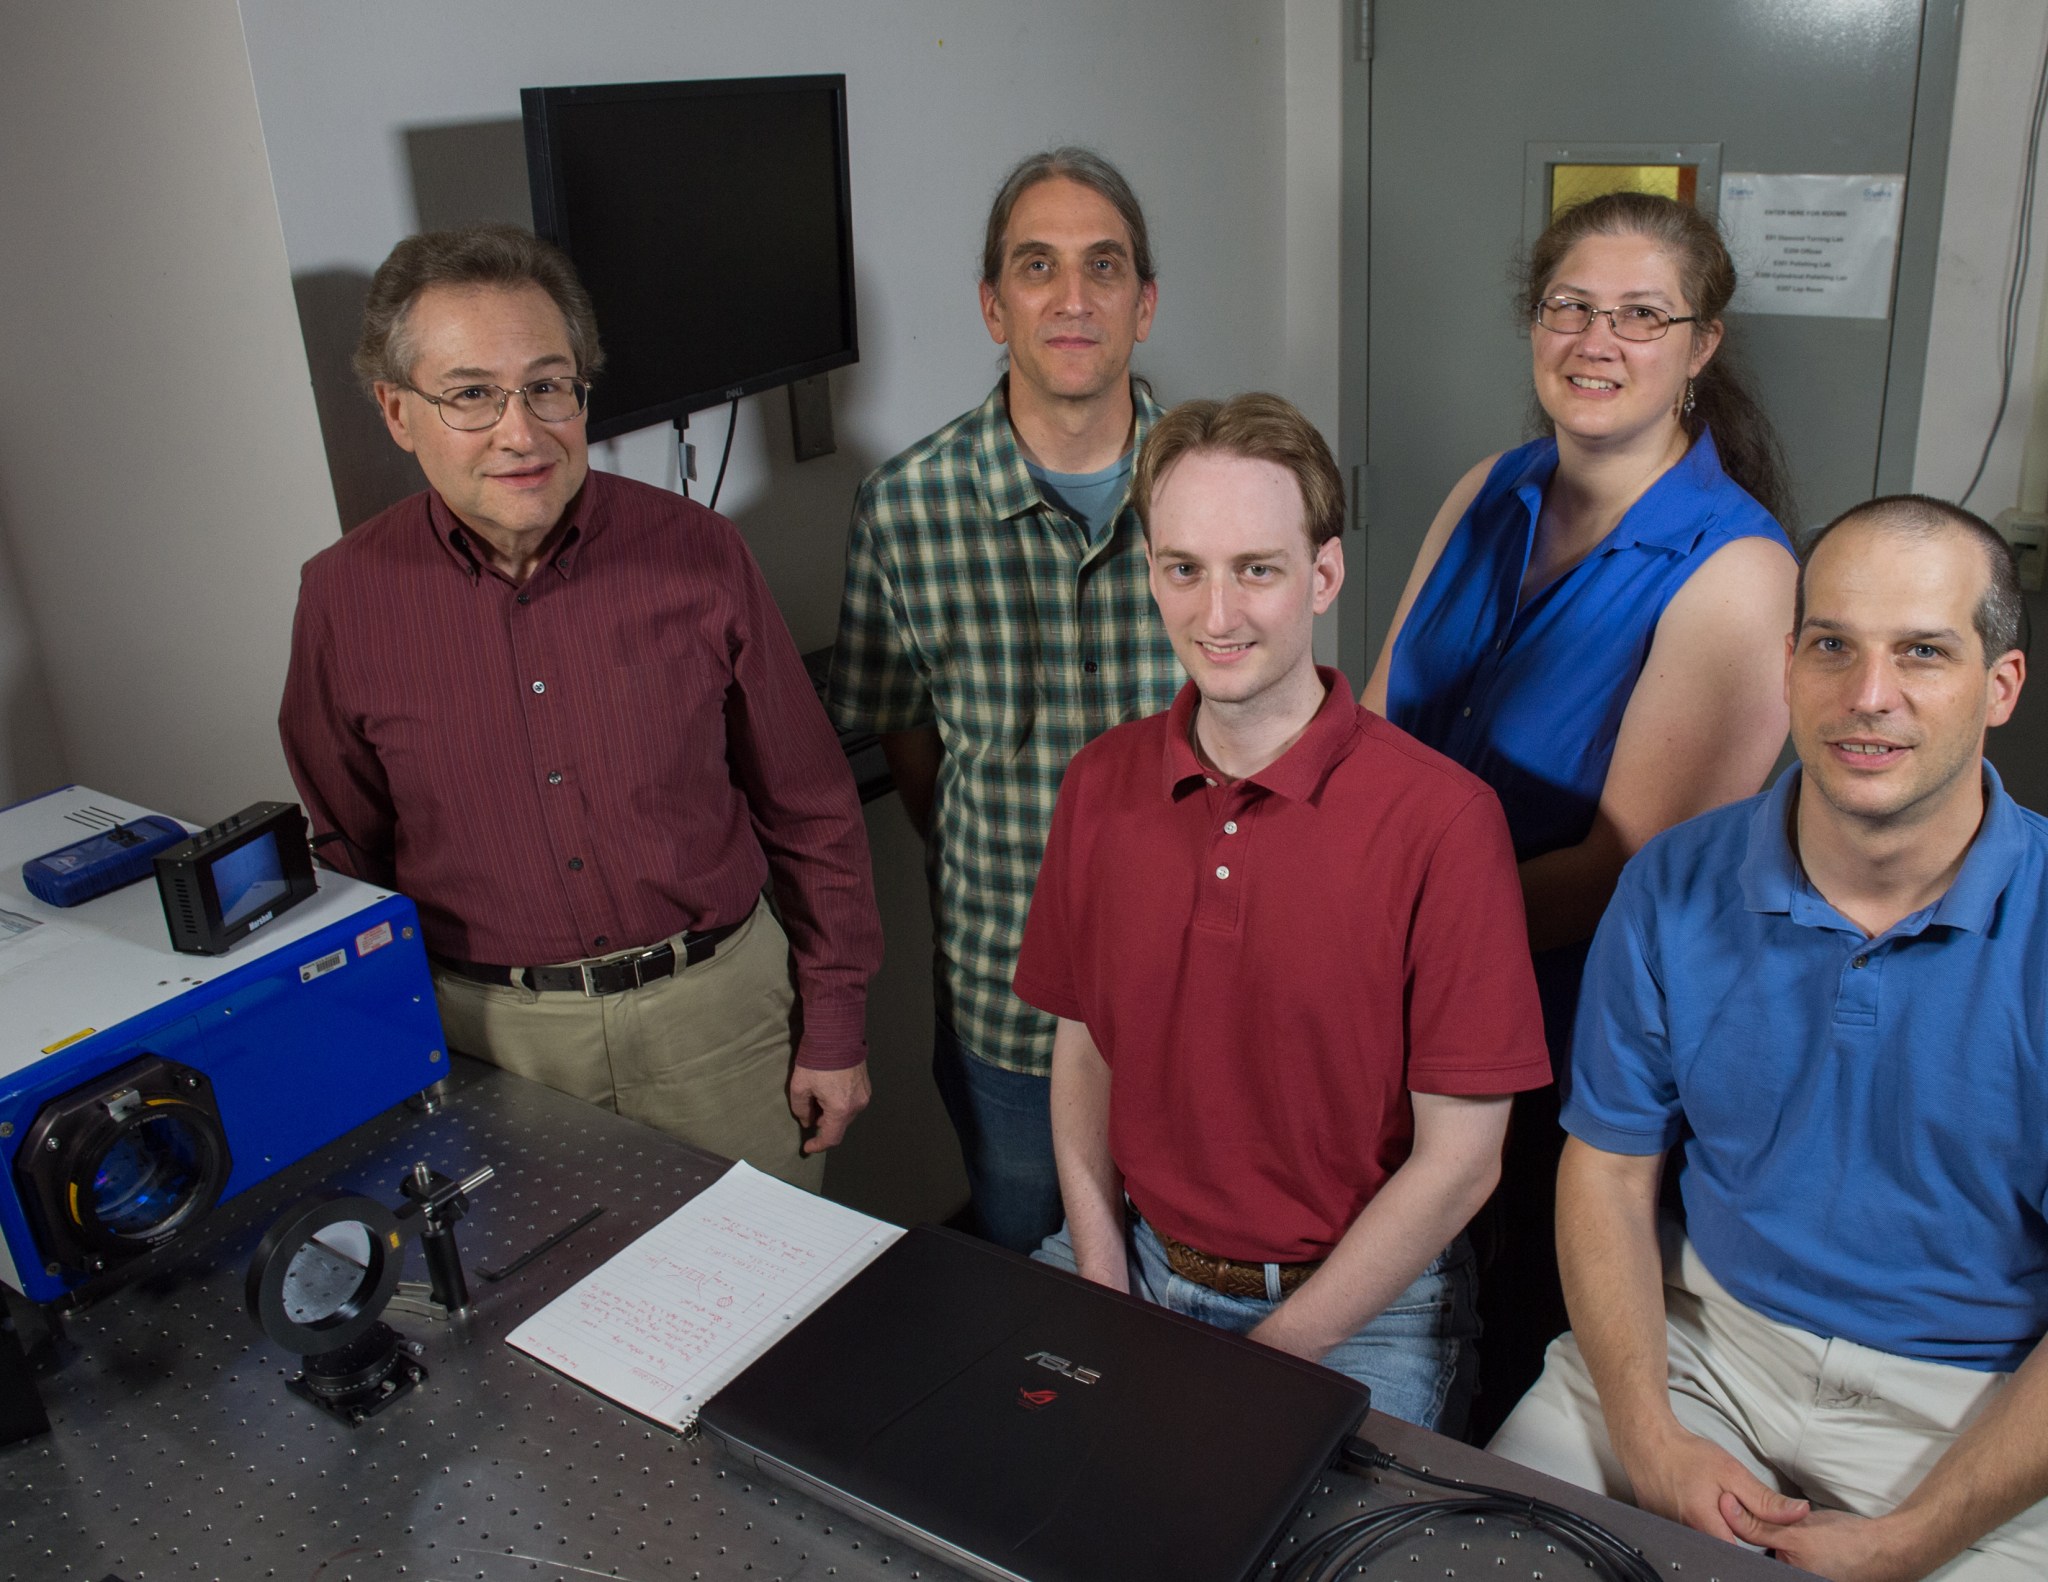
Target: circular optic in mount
326, 1276
323, 1273
320, 1277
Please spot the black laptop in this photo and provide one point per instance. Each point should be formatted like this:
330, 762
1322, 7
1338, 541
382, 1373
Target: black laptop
1029, 1426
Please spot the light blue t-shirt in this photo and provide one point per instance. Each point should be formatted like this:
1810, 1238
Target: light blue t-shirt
1092, 498
1863, 1123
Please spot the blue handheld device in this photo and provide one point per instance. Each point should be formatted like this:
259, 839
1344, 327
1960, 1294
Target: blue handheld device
99, 863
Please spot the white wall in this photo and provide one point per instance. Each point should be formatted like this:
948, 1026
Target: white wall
1317, 36
164, 479
1185, 95
2000, 56
33, 757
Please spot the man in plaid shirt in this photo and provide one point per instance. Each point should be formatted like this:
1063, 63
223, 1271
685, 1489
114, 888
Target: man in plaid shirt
996, 619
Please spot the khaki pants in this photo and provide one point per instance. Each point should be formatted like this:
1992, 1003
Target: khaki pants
1826, 1420
704, 1055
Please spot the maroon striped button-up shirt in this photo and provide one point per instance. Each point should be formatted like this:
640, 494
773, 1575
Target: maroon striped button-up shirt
623, 747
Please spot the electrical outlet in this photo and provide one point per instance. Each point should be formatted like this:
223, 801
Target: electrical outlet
2027, 532
689, 461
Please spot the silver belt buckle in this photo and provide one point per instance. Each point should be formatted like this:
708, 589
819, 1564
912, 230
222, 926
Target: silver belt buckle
632, 962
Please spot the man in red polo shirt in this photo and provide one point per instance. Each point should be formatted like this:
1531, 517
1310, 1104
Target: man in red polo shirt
1285, 944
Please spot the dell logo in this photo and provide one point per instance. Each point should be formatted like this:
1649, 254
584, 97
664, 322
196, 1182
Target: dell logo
1060, 1365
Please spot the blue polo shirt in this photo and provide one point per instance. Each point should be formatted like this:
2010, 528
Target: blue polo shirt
1863, 1122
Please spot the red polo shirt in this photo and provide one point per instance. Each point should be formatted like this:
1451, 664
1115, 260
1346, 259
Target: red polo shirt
1270, 966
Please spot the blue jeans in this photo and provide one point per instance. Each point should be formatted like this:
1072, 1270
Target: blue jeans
1004, 1119
1419, 1357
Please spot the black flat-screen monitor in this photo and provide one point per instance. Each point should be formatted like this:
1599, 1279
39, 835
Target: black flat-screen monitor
712, 223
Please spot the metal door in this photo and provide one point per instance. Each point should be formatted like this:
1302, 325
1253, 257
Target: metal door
1443, 106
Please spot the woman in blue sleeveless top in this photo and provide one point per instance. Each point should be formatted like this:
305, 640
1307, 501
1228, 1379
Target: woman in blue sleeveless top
1596, 627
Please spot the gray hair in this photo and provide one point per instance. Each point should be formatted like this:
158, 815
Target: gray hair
474, 255
1067, 163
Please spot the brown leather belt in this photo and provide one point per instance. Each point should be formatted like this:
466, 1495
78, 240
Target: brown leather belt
1226, 1275
602, 974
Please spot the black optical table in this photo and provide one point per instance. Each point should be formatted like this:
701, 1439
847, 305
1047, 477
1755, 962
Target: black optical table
176, 1452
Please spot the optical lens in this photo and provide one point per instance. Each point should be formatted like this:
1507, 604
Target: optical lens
1563, 315
1636, 321
469, 410
555, 400
147, 1178
328, 1273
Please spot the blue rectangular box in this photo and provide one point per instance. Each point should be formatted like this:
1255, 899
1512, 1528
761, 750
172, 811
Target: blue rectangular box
300, 1033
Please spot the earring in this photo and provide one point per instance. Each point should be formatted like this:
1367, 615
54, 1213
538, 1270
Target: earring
1685, 407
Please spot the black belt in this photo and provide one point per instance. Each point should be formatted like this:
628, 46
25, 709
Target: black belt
600, 974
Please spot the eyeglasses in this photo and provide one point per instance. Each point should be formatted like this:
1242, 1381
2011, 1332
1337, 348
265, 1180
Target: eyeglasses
555, 399
1632, 321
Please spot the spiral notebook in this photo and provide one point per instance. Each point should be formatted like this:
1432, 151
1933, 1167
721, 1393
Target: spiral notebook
664, 1322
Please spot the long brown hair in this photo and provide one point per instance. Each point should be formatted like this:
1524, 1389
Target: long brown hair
1069, 163
1750, 453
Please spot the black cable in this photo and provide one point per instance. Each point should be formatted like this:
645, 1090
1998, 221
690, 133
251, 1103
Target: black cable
2023, 251
683, 458
1585, 1526
1351, 1545
732, 421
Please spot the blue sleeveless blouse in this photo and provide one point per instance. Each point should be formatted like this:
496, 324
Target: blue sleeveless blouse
1529, 697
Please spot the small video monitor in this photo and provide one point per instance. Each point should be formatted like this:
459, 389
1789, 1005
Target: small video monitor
232, 878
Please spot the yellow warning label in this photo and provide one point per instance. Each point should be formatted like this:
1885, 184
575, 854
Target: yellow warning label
66, 1043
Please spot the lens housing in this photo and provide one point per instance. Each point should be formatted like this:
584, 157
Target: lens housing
123, 1164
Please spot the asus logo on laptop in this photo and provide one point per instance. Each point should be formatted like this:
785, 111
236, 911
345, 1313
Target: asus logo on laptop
1060, 1365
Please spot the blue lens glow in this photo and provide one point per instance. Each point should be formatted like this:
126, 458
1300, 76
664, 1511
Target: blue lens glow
147, 1177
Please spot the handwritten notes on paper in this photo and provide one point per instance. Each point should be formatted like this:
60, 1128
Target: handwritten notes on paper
665, 1323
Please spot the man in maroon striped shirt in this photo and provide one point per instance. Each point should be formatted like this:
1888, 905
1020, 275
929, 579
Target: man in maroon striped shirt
559, 710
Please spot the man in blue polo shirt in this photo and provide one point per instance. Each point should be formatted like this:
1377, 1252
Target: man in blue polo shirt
1830, 1000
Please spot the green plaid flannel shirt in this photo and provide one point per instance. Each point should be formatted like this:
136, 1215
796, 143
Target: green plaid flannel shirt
973, 605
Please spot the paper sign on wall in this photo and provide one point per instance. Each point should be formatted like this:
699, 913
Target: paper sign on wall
1821, 246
